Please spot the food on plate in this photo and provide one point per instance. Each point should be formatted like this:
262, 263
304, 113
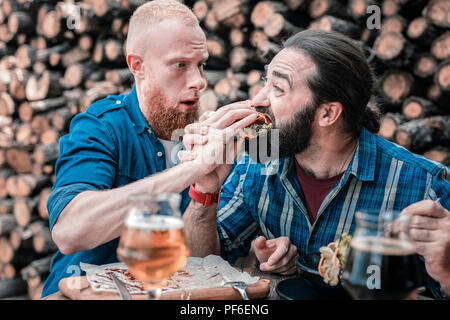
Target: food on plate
333, 259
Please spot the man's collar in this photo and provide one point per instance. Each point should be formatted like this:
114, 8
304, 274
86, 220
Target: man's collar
132, 104
362, 165
364, 159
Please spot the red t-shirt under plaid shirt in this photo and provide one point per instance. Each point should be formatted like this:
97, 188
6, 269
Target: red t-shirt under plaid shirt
315, 190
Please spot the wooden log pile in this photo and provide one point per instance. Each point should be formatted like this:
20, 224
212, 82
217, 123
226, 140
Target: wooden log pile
58, 57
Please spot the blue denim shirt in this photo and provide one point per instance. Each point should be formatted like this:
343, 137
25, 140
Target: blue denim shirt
108, 146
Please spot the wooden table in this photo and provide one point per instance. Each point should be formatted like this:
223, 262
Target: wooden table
247, 264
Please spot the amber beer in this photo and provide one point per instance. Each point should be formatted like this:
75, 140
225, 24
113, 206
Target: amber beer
153, 248
395, 261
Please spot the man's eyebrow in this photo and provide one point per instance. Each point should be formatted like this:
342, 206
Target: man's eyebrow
185, 57
283, 76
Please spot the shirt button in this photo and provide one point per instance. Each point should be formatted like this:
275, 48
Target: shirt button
118, 102
159, 154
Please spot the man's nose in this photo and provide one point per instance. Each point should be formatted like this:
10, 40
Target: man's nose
261, 99
196, 81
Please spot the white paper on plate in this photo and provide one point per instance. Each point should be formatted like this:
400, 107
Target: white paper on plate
198, 273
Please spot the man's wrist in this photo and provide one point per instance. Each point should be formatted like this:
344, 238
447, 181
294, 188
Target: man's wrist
206, 189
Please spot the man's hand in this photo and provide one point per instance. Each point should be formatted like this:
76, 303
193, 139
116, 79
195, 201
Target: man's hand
211, 142
276, 255
430, 232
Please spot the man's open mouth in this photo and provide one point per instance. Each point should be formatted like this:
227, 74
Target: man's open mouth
189, 105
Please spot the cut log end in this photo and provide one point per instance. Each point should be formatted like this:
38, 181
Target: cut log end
397, 86
438, 11
389, 45
443, 76
402, 138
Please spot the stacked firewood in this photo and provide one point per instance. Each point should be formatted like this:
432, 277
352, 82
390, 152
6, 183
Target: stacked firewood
58, 57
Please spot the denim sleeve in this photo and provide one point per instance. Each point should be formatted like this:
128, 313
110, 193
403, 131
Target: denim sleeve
87, 161
61, 196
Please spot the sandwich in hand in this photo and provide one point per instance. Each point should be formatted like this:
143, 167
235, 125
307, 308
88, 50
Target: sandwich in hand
260, 126
333, 259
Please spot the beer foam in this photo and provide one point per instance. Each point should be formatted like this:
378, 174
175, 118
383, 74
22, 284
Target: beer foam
153, 222
385, 246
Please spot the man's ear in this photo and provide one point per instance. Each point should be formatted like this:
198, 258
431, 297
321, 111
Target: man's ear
136, 66
328, 113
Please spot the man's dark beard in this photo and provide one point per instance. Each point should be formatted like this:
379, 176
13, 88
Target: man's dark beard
165, 119
293, 136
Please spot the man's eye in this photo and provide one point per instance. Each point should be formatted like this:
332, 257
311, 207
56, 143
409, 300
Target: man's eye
277, 88
180, 64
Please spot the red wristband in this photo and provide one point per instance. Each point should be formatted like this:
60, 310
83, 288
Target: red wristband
206, 199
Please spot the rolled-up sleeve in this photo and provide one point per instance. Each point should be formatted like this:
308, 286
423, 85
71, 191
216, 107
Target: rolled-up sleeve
440, 188
439, 191
235, 224
87, 161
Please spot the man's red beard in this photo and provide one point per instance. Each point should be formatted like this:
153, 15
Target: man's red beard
162, 118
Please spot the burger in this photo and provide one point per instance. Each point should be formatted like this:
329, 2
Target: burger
259, 127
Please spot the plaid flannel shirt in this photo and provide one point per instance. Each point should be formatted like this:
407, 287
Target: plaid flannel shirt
267, 199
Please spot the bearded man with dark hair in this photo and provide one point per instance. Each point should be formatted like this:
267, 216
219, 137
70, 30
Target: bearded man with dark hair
331, 164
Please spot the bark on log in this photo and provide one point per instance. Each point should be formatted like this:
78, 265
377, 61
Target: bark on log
278, 28
29, 109
231, 13
47, 86
18, 83
330, 23
7, 223
440, 154
46, 154
12, 287
25, 185
6, 205
421, 134
319, 8
43, 243
422, 32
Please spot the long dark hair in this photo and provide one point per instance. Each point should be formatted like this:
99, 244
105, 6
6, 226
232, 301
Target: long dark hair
343, 75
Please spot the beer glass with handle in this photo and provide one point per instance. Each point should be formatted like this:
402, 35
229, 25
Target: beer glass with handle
382, 263
152, 243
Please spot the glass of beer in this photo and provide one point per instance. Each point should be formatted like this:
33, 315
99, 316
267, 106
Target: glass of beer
152, 243
382, 263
